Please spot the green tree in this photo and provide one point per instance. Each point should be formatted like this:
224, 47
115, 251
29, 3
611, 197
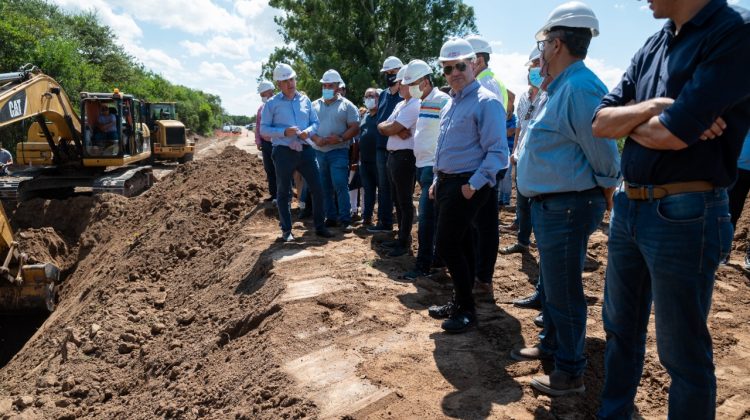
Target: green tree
354, 37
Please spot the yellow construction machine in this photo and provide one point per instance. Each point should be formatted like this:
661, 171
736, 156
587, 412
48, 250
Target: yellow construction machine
168, 134
24, 287
64, 151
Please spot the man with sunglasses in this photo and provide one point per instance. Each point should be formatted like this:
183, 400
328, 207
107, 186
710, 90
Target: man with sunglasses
569, 175
471, 149
683, 105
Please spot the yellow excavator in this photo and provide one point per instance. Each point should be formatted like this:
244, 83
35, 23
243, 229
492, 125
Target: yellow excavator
63, 151
24, 287
168, 134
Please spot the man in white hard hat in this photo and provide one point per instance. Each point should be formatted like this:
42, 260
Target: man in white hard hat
399, 127
569, 176
368, 169
418, 79
265, 90
683, 105
484, 75
289, 119
389, 97
339, 123
471, 149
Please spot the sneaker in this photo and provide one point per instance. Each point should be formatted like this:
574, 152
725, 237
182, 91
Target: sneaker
442, 311
558, 384
379, 229
746, 265
356, 217
397, 251
514, 249
459, 322
287, 237
324, 233
539, 320
533, 301
331, 223
530, 353
348, 227
416, 273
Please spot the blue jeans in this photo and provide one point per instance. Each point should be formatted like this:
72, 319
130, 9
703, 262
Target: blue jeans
563, 224
385, 203
334, 175
427, 220
368, 173
666, 251
287, 161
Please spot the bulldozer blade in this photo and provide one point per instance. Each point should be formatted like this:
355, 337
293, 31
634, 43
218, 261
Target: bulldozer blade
37, 291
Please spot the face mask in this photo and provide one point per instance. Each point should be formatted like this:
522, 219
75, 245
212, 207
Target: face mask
369, 103
415, 92
328, 94
390, 79
544, 63
264, 99
535, 77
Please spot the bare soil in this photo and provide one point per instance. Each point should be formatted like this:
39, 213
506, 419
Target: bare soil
180, 303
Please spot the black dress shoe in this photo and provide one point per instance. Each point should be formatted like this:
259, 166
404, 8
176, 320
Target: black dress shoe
533, 301
324, 233
442, 311
459, 322
379, 229
331, 223
539, 320
391, 244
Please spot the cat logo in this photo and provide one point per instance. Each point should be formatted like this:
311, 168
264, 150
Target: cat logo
14, 108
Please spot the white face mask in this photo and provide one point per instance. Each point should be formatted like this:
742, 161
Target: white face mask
369, 103
415, 92
264, 99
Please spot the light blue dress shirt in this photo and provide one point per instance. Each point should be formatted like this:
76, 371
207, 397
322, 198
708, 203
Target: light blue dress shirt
472, 136
561, 153
281, 113
744, 161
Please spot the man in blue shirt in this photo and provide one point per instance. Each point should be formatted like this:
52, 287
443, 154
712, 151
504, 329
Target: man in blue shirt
471, 149
683, 105
289, 120
569, 175
389, 97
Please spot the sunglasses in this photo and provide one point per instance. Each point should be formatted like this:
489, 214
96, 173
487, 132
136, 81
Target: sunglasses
447, 70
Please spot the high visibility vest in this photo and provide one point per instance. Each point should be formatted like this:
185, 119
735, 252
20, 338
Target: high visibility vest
503, 90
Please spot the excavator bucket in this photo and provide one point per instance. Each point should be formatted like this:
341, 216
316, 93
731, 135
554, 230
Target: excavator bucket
33, 289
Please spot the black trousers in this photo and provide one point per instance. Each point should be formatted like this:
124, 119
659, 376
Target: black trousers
487, 233
738, 194
402, 173
454, 240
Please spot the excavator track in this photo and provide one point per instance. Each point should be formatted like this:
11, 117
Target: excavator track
125, 181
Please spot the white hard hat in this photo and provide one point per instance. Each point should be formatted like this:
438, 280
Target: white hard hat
535, 54
479, 44
574, 14
283, 71
331, 76
391, 63
342, 84
264, 85
400, 74
456, 49
414, 70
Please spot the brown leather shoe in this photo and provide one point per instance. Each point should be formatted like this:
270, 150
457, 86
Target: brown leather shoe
530, 353
558, 384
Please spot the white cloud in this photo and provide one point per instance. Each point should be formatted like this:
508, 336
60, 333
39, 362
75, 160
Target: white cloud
221, 46
123, 25
610, 75
249, 68
194, 17
218, 71
250, 8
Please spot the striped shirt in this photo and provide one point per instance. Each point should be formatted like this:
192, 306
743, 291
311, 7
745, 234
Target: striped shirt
428, 127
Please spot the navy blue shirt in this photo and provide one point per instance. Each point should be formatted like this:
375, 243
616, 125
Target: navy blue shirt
704, 69
385, 108
368, 138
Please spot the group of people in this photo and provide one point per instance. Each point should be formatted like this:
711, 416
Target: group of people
684, 116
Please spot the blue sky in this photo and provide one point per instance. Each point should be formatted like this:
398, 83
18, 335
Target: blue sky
219, 45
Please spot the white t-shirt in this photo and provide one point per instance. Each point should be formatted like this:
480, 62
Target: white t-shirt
406, 114
428, 127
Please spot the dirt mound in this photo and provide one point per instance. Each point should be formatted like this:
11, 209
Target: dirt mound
161, 296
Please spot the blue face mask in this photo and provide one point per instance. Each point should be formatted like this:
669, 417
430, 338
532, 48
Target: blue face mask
328, 94
535, 77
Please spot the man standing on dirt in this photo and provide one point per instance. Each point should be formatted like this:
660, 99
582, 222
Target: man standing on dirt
265, 90
339, 123
389, 97
569, 176
683, 105
289, 120
471, 149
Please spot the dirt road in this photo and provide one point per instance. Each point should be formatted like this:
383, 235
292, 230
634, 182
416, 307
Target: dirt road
180, 304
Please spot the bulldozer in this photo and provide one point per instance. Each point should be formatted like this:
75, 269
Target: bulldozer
64, 152
24, 287
168, 134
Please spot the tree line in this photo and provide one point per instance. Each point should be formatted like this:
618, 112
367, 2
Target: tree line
82, 55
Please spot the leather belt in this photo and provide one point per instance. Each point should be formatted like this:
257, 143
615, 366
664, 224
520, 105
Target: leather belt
443, 175
542, 197
655, 192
